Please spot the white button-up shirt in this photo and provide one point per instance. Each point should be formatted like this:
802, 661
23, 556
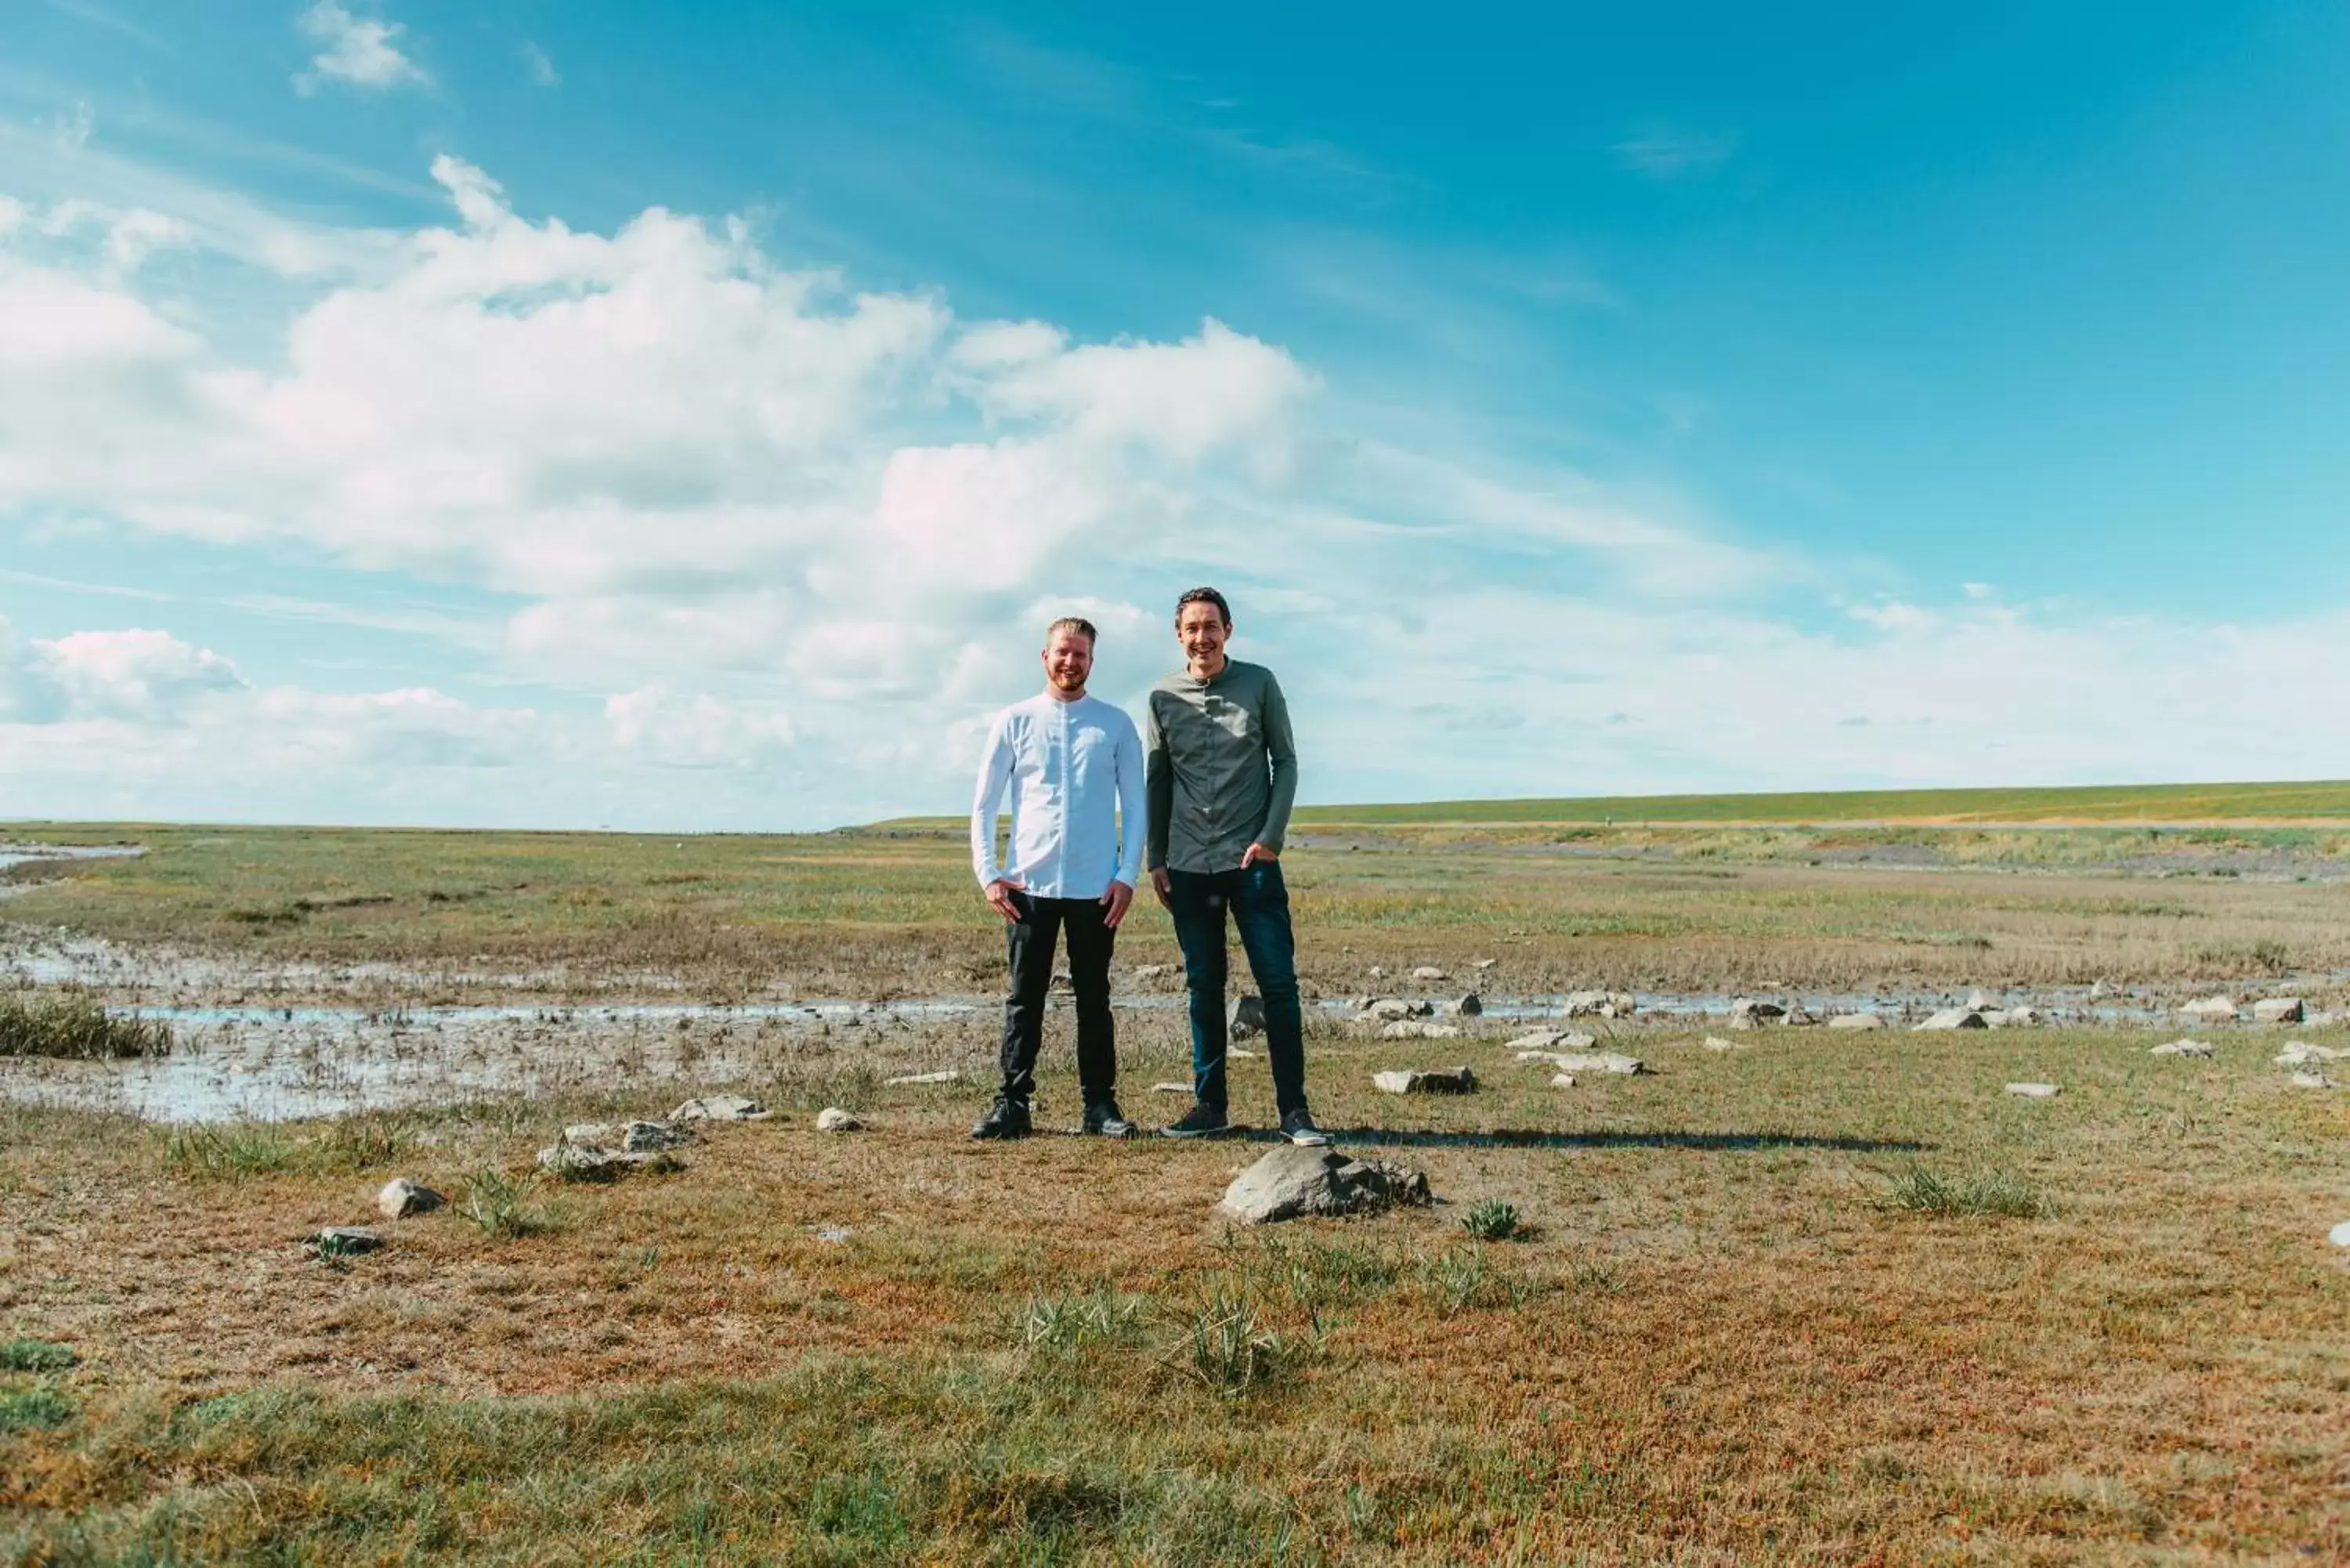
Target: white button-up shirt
1074, 771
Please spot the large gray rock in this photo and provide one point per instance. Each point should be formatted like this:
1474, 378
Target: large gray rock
1453, 1081
1394, 1008
2298, 1052
2182, 1048
2212, 1009
1290, 1182
1955, 1018
1749, 1010
2279, 1010
401, 1198
1430, 974
1553, 1040
2310, 1079
1468, 1005
833, 1119
1243, 1017
598, 1151
720, 1109
1855, 1021
1597, 1062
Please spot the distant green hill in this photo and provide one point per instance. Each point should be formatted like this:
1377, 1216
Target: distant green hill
2088, 803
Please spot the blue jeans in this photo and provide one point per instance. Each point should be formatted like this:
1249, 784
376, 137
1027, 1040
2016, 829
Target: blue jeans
1259, 902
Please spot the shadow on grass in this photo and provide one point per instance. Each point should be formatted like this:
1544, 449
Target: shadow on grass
1510, 1138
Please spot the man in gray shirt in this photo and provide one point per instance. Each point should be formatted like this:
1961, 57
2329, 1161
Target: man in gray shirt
1221, 772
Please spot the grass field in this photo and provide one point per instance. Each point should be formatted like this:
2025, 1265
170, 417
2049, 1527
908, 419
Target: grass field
1817, 1298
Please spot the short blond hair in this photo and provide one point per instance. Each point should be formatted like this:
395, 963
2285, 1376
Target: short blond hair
1075, 623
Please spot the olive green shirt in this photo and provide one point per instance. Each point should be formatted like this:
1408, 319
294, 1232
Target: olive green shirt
1221, 765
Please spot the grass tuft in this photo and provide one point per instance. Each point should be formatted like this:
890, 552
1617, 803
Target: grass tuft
40, 1405
70, 1024
35, 1355
1230, 1351
1098, 1316
1923, 1192
498, 1204
231, 1153
1491, 1220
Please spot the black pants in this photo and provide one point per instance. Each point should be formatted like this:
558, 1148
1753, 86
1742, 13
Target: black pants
1030, 940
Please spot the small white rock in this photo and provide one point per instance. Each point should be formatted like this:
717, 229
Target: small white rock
401, 1198
943, 1076
2215, 1009
1170, 1088
833, 1119
2035, 1091
2308, 1080
2182, 1048
1455, 1081
1562, 1081
1410, 1031
1954, 1018
1716, 1042
1855, 1021
1428, 971
2340, 1234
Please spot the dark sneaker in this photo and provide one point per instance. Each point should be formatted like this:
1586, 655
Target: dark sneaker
1102, 1118
1298, 1127
1007, 1118
1200, 1121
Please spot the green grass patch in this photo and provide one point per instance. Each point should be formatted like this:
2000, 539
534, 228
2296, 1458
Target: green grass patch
70, 1024
35, 1355
1921, 1190
32, 1407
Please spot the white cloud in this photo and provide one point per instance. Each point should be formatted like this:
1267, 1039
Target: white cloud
359, 51
539, 66
786, 542
1663, 151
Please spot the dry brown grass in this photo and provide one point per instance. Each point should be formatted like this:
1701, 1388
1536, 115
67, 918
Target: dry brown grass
1719, 1343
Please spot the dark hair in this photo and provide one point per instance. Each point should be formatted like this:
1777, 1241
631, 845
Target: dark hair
1205, 597
1075, 623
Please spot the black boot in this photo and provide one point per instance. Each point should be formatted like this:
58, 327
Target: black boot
1007, 1118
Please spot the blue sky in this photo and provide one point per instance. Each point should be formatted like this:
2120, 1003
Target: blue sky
683, 417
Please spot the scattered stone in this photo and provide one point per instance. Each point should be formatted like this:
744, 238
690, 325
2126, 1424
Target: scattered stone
2182, 1048
1379, 971
2035, 1091
1856, 1021
2100, 991
1468, 1006
1243, 1017
1752, 1010
2279, 1010
1599, 1004
626, 1138
1553, 1040
943, 1076
1598, 1062
1428, 971
1409, 1031
833, 1119
2214, 1009
2309, 1080
343, 1241
1391, 1008
1487, 963
2340, 1234
2297, 1051
1145, 973
1562, 1081
1062, 981
720, 1109
401, 1198
1955, 1018
1237, 1055
1290, 1182
1716, 1042
1455, 1081
1170, 1088
1983, 1001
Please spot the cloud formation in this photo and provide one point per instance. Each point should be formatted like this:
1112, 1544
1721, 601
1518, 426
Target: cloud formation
770, 546
354, 51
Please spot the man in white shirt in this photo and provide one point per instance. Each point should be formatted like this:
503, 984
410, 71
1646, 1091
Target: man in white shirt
1073, 766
